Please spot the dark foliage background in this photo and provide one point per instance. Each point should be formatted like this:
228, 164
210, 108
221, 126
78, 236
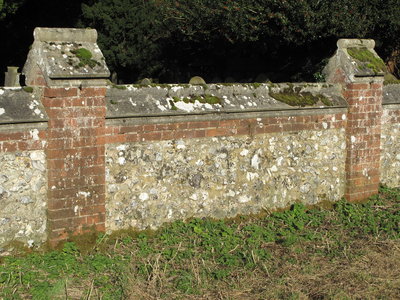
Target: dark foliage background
246, 40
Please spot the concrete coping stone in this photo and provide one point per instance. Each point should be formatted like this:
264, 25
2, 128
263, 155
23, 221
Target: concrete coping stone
66, 57
358, 43
21, 105
174, 99
391, 94
44, 34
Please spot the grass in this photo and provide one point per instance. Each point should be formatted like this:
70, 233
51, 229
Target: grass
351, 251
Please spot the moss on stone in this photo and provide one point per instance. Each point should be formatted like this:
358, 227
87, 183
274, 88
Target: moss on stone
255, 85
85, 57
294, 97
119, 87
367, 59
28, 89
390, 79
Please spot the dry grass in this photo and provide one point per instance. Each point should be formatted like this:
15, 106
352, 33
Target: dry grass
368, 269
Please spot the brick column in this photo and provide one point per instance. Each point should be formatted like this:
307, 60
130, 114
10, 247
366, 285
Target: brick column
363, 134
76, 160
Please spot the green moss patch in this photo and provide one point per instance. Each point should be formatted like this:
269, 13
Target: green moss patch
390, 79
28, 89
293, 97
367, 60
85, 57
119, 87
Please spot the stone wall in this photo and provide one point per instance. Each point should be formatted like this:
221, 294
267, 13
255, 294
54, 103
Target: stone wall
79, 154
150, 183
390, 154
23, 167
23, 196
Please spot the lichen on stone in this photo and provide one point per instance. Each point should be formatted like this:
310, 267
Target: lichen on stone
367, 60
210, 99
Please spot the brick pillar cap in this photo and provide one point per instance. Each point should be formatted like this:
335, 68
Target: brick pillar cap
358, 43
355, 60
44, 34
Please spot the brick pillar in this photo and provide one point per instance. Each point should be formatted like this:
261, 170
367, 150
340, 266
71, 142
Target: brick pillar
358, 69
363, 135
76, 160
73, 94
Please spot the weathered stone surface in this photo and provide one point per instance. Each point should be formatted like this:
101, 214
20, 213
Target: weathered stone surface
390, 149
20, 106
23, 191
150, 183
391, 94
161, 100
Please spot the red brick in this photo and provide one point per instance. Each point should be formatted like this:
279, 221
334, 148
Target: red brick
377, 86
57, 237
100, 227
13, 136
10, 146
96, 219
91, 210
150, 136
64, 213
93, 170
228, 123
69, 224
131, 137
220, 132
63, 193
60, 92
116, 139
167, 135
214, 124
199, 133
244, 130
183, 125
358, 86
59, 144
149, 127
195, 125
273, 128
93, 92
99, 101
